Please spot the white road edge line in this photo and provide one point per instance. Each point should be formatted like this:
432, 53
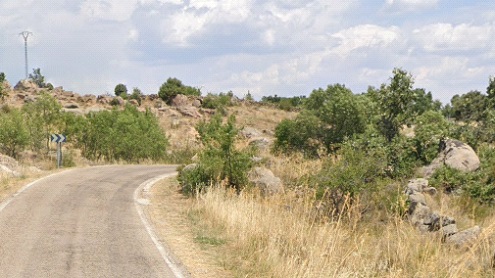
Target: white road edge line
26, 187
145, 187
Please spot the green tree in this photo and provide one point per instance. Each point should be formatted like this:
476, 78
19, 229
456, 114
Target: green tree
490, 90
303, 134
173, 87
14, 135
220, 161
3, 93
44, 118
340, 110
469, 107
38, 78
137, 95
121, 90
395, 100
127, 135
431, 128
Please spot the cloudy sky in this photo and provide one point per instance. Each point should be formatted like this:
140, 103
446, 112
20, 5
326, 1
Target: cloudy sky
283, 47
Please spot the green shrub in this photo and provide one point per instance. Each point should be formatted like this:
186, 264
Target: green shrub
173, 87
14, 135
128, 135
220, 160
431, 128
194, 180
347, 177
303, 134
121, 90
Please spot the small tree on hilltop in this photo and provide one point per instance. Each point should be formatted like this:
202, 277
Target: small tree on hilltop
38, 78
121, 90
174, 87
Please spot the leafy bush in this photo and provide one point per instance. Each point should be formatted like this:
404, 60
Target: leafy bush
451, 180
220, 161
431, 128
37, 78
137, 95
219, 102
173, 87
44, 117
194, 180
353, 173
14, 135
302, 134
121, 90
127, 135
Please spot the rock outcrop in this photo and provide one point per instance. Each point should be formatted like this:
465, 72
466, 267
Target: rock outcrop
454, 154
426, 220
265, 181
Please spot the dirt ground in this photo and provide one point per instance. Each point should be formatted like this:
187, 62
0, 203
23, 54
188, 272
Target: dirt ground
168, 212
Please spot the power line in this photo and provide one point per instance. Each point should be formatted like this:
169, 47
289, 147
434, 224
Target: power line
25, 35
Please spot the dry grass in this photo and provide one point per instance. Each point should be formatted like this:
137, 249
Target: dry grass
276, 237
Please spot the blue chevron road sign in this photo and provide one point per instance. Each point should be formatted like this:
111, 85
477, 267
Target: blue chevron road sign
58, 138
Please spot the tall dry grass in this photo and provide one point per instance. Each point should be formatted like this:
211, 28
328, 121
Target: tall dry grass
278, 237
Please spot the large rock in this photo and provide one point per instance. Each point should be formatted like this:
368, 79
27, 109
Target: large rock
266, 181
460, 156
464, 237
27, 85
189, 111
8, 165
455, 154
180, 100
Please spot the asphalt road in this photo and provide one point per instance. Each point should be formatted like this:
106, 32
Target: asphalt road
81, 223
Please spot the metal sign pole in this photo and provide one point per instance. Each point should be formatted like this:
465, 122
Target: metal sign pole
59, 154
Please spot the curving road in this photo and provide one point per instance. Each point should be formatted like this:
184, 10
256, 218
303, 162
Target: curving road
81, 223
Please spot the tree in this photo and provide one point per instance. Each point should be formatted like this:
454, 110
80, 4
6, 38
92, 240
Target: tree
173, 87
340, 110
121, 90
3, 93
469, 107
137, 95
38, 78
220, 160
14, 136
395, 100
490, 90
303, 134
44, 118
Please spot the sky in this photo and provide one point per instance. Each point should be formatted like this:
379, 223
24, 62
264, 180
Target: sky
282, 47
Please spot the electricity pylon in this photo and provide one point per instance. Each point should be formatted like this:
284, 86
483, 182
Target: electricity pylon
25, 35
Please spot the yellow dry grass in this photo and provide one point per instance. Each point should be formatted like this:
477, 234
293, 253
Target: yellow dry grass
276, 237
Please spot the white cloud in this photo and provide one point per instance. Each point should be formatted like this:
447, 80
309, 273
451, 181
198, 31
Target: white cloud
116, 10
462, 37
408, 5
199, 15
365, 37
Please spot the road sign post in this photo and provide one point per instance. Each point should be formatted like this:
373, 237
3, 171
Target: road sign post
59, 139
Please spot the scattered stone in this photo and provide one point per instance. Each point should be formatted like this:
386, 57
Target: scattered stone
133, 102
197, 103
250, 132
261, 143
189, 111
266, 181
180, 100
463, 237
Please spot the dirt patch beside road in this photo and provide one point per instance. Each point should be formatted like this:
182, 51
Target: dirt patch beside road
169, 214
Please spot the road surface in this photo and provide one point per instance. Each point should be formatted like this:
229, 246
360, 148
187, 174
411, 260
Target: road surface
81, 223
